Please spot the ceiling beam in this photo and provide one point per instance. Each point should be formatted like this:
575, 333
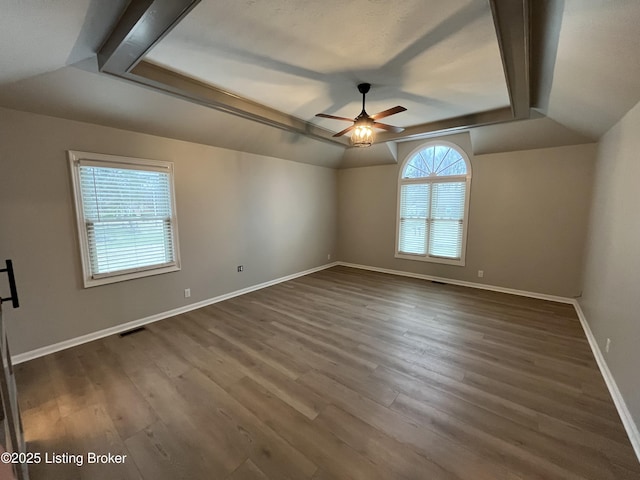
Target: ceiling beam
546, 21
145, 23
181, 86
449, 125
511, 19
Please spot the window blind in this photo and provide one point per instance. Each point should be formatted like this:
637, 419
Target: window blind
431, 219
447, 216
128, 218
414, 213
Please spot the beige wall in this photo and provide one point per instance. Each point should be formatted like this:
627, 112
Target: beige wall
527, 221
611, 299
275, 217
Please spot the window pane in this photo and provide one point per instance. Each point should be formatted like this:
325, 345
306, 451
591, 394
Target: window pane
451, 164
416, 169
414, 208
448, 200
111, 193
446, 238
116, 246
128, 216
447, 213
413, 234
414, 201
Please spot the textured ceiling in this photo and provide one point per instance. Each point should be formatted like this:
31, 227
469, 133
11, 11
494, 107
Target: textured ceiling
38, 36
438, 59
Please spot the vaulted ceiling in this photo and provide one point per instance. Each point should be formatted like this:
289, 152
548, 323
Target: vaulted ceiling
285, 60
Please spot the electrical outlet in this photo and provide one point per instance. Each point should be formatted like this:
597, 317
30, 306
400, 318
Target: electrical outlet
480, 273
240, 268
187, 292
328, 256
608, 345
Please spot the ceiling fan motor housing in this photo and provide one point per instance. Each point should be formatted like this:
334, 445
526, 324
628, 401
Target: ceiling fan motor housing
364, 88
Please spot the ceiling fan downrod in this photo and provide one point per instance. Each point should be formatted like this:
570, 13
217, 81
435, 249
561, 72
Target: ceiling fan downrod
363, 88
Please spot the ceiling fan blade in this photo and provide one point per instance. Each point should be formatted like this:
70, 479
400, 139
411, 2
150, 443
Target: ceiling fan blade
386, 113
324, 115
389, 128
348, 129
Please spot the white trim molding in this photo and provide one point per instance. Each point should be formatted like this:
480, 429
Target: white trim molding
463, 283
72, 342
625, 415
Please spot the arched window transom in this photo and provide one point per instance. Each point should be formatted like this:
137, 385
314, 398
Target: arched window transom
435, 161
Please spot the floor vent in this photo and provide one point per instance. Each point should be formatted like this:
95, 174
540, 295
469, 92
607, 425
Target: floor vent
132, 331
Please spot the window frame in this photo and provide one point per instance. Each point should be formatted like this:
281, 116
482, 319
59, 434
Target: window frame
76, 158
444, 179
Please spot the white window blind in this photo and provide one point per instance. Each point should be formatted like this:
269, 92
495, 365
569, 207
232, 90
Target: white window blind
414, 216
127, 218
447, 215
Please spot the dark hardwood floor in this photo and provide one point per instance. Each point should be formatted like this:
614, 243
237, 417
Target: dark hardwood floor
342, 374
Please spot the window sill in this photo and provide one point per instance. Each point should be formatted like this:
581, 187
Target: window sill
94, 282
424, 258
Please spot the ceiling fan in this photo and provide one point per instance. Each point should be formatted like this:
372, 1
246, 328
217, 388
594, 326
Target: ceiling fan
364, 123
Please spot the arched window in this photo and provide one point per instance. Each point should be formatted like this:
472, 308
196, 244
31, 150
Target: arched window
433, 203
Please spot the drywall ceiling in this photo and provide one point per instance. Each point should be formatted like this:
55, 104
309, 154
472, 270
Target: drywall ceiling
438, 59
40, 36
597, 65
313, 68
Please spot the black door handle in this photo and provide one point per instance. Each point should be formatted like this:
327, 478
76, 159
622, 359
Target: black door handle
12, 285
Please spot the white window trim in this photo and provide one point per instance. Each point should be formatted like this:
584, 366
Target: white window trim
98, 159
465, 223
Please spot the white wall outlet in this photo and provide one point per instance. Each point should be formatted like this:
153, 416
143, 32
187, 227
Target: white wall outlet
608, 345
480, 273
187, 292
328, 256
240, 268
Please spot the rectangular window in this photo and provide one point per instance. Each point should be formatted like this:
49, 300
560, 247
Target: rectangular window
126, 217
432, 219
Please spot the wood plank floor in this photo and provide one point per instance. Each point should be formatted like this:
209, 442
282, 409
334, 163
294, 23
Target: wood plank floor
342, 374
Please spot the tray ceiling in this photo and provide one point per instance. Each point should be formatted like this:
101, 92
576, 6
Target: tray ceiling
438, 59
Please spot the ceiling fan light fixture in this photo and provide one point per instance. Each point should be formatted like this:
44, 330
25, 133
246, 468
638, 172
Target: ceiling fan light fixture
363, 135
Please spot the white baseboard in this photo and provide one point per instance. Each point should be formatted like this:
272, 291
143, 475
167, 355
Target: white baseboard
625, 415
56, 347
462, 283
